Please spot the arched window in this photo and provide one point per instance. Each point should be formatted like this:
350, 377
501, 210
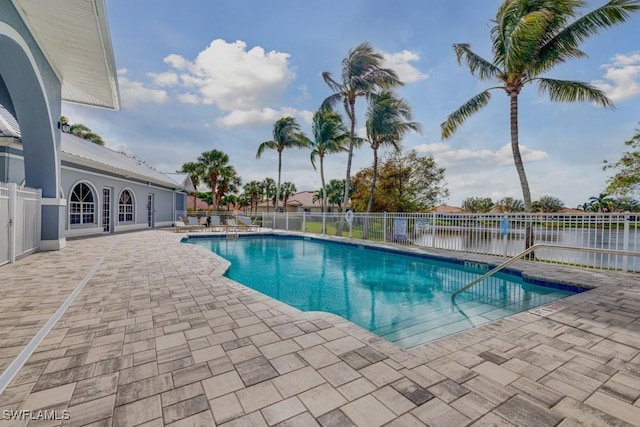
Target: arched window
125, 206
82, 206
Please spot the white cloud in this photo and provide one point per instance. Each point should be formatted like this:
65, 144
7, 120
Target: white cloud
261, 116
233, 78
132, 92
189, 98
622, 77
176, 61
436, 147
400, 63
503, 156
164, 79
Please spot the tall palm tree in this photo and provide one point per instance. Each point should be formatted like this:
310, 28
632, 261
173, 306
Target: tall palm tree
362, 75
286, 134
388, 120
195, 171
214, 162
329, 136
529, 38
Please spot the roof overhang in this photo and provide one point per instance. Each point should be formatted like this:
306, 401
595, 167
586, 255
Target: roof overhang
74, 37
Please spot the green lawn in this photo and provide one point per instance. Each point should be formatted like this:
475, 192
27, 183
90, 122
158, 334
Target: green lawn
356, 232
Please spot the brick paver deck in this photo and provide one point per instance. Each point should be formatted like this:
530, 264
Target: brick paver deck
159, 337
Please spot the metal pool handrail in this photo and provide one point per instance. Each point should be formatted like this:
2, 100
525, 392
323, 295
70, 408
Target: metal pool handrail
533, 248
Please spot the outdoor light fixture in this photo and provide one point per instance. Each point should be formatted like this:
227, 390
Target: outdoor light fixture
64, 127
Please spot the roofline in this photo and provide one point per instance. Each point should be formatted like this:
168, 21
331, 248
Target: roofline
100, 11
34, 34
107, 50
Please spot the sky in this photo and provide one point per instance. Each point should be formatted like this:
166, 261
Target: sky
200, 75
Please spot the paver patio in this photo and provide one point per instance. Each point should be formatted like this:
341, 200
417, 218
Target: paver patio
159, 337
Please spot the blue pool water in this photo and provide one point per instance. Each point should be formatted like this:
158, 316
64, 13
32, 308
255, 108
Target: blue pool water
403, 298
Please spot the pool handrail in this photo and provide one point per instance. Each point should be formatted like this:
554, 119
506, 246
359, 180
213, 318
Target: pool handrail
533, 248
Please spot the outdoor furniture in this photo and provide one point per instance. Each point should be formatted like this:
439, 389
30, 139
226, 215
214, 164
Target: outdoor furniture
245, 222
193, 223
215, 224
180, 227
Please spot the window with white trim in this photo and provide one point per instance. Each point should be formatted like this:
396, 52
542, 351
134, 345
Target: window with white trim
125, 207
82, 206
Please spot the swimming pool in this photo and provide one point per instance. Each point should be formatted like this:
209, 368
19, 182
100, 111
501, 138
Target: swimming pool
403, 298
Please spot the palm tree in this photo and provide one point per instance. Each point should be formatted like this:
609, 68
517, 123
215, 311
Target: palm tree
600, 203
214, 162
82, 131
228, 182
286, 134
388, 119
335, 192
362, 75
253, 190
269, 191
288, 189
195, 171
529, 38
329, 136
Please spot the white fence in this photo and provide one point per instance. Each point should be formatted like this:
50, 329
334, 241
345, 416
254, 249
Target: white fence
492, 234
20, 211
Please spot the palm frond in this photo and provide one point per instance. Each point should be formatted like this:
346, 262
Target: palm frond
267, 145
472, 106
478, 66
525, 38
331, 101
333, 85
572, 91
565, 42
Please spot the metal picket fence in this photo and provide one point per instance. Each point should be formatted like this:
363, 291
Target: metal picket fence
492, 234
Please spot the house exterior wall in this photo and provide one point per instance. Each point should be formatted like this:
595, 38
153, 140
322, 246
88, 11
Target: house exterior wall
12, 170
163, 201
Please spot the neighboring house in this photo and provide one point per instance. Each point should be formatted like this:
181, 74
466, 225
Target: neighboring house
201, 205
106, 191
444, 208
299, 202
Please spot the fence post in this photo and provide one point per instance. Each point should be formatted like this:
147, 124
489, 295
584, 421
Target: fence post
433, 229
625, 242
384, 227
13, 221
304, 219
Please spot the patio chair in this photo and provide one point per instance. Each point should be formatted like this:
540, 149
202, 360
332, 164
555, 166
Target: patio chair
244, 222
180, 227
193, 223
215, 224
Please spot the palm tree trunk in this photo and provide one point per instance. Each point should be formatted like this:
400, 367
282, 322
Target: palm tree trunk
347, 183
373, 180
517, 159
195, 198
324, 196
214, 194
275, 205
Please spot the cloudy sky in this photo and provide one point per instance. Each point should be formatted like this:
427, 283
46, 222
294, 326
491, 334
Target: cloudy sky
198, 75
